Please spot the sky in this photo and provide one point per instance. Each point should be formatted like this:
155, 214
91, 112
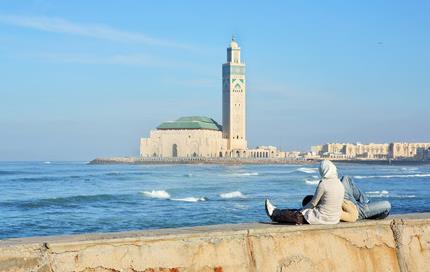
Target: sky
83, 79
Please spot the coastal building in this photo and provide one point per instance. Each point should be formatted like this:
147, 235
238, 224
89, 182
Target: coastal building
408, 150
198, 136
367, 151
416, 151
316, 149
265, 152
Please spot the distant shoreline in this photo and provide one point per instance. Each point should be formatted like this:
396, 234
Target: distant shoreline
137, 160
384, 162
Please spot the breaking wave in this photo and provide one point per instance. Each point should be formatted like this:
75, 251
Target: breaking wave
404, 196
378, 193
190, 199
395, 176
307, 170
312, 182
235, 194
385, 193
157, 194
409, 169
161, 194
243, 174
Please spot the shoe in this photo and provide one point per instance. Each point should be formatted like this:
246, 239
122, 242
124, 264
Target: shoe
269, 208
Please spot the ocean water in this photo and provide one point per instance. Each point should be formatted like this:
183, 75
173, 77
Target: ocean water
55, 198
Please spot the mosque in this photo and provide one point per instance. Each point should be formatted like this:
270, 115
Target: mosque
198, 136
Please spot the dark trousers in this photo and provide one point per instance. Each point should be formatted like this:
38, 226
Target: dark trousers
288, 216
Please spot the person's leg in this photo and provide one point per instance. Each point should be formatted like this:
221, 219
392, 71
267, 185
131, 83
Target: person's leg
376, 210
352, 192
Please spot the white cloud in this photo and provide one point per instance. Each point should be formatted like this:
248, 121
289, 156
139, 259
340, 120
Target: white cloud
60, 25
116, 59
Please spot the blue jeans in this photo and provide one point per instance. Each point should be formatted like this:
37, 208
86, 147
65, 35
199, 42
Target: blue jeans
366, 209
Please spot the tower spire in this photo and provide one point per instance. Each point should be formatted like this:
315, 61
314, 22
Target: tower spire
234, 99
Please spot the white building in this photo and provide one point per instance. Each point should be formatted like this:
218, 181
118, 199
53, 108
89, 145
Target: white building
186, 137
198, 136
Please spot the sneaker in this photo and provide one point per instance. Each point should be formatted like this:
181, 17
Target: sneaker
269, 208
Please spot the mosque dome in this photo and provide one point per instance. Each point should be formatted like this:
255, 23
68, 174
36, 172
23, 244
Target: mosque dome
191, 122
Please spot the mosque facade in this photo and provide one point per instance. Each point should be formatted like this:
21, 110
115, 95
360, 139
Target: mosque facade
199, 136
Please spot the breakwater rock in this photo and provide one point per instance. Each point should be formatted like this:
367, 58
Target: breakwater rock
400, 243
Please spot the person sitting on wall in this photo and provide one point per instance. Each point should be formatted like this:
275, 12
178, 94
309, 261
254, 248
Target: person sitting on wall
349, 210
356, 205
323, 208
366, 209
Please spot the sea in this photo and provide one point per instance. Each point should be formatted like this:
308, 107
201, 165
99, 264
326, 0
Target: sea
59, 198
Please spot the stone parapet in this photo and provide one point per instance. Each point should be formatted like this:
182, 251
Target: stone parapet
400, 243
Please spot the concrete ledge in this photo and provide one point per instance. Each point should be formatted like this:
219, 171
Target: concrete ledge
400, 243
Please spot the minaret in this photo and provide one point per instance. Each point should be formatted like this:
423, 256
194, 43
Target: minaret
233, 100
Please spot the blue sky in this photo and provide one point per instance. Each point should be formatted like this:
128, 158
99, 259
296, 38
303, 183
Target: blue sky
80, 79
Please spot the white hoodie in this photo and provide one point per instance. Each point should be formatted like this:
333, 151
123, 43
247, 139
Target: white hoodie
326, 204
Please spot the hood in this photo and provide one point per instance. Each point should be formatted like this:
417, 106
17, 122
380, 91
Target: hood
328, 170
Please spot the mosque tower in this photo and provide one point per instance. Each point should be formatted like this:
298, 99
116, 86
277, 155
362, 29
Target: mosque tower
234, 101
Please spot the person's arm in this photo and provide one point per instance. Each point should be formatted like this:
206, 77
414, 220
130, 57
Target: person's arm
319, 192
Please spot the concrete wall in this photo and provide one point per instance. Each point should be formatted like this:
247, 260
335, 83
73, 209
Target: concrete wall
396, 244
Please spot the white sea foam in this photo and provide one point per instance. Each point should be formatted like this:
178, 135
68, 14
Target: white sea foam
395, 176
409, 169
405, 196
47, 162
235, 194
382, 193
189, 199
240, 207
308, 170
157, 194
312, 182
246, 174
378, 192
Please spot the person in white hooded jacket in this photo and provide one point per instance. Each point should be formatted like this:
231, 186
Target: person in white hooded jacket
325, 206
